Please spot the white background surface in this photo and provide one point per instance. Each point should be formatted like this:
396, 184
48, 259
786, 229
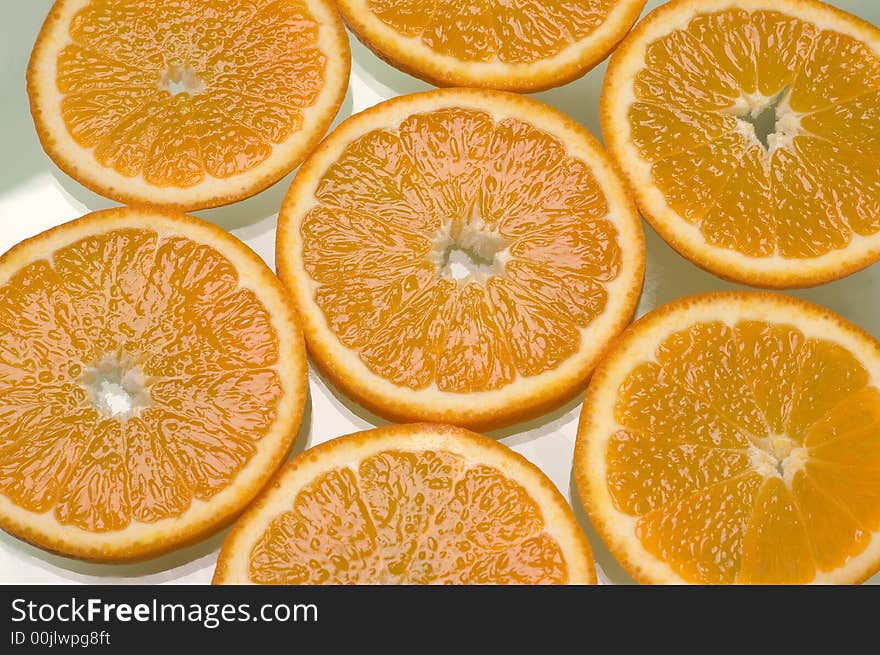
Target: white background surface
35, 195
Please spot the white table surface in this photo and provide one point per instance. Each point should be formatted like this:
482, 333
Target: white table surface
36, 195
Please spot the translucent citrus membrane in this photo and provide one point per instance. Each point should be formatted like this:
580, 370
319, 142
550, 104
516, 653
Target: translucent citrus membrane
166, 314
748, 454
175, 92
409, 518
393, 195
522, 31
815, 184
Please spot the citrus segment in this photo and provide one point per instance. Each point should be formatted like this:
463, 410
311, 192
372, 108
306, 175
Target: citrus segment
646, 475
525, 45
732, 438
156, 485
748, 136
96, 495
403, 491
853, 124
694, 178
539, 340
739, 219
648, 404
856, 488
408, 504
784, 42
811, 230
662, 131
859, 412
704, 358
40, 455
773, 387
833, 532
156, 378
855, 185
776, 548
828, 374
856, 449
731, 37
839, 68
189, 105
679, 71
407, 353
459, 256
701, 535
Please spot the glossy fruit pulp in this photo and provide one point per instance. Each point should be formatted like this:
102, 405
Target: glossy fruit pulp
522, 31
392, 195
748, 454
202, 349
409, 518
177, 91
816, 185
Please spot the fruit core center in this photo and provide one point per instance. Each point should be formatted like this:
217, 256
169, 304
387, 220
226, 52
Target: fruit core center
117, 389
181, 78
778, 456
466, 253
771, 120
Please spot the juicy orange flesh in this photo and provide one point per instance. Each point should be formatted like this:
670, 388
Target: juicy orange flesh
166, 307
256, 68
409, 518
814, 191
368, 244
482, 30
696, 421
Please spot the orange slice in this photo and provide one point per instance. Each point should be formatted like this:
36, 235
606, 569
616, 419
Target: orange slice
750, 136
735, 438
408, 504
460, 256
513, 46
190, 104
153, 377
